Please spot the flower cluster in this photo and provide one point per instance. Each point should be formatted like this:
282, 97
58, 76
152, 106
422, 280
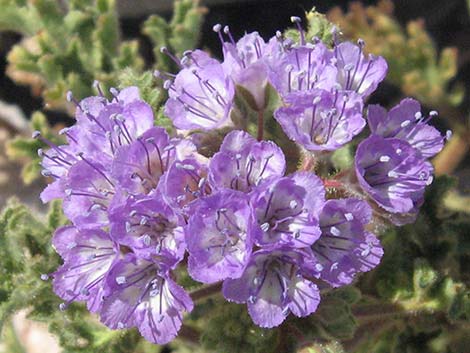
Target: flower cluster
145, 206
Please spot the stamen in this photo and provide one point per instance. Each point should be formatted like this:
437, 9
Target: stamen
217, 29
365, 75
80, 154
114, 92
297, 21
227, 32
167, 84
37, 135
47, 173
70, 98
361, 44
164, 50
147, 154
97, 86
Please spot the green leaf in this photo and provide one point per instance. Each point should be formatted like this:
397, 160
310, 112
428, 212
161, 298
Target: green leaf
186, 25
55, 216
147, 84
158, 30
107, 33
229, 329
319, 27
69, 48
424, 276
18, 18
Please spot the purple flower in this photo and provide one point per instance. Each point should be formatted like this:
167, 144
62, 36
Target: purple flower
392, 173
200, 98
321, 120
345, 247
147, 225
357, 72
141, 293
185, 182
405, 122
275, 283
246, 62
139, 166
286, 210
219, 236
243, 163
102, 127
89, 191
303, 69
88, 256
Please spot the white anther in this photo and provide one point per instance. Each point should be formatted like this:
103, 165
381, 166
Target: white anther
405, 123
384, 158
335, 231
448, 135
120, 280
265, 227
146, 239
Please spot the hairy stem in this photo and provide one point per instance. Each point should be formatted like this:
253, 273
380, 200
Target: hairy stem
189, 334
365, 333
307, 161
206, 291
